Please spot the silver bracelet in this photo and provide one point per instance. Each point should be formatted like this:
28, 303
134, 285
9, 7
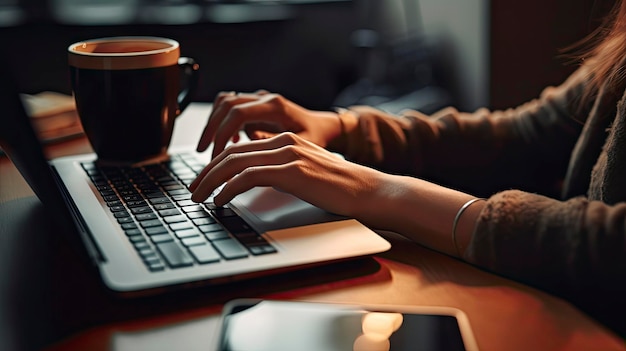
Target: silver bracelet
456, 222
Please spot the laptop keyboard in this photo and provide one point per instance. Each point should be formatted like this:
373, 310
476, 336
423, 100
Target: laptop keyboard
153, 206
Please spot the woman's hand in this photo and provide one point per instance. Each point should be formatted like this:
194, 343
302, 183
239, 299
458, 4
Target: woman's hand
294, 165
420, 210
263, 115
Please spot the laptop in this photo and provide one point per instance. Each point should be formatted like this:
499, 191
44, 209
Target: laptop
146, 239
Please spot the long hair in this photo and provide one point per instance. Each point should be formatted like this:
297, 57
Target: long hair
604, 52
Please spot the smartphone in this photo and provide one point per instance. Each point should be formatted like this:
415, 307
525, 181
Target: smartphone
264, 325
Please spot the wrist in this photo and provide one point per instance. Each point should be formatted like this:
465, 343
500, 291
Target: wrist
347, 122
465, 223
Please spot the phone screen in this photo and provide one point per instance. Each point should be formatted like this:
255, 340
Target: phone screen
302, 326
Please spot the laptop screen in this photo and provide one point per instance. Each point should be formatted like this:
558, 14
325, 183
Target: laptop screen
20, 143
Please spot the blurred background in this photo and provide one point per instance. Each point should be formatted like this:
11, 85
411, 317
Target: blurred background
393, 54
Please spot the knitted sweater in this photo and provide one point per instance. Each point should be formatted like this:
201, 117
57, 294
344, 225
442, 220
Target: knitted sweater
554, 173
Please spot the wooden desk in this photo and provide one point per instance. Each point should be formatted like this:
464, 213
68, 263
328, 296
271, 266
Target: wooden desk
51, 299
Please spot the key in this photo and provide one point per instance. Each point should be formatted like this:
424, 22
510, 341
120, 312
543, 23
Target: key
174, 255
230, 248
204, 253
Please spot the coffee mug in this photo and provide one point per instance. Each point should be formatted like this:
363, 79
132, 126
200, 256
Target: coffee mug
128, 93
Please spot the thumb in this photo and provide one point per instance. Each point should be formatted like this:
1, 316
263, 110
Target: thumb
259, 134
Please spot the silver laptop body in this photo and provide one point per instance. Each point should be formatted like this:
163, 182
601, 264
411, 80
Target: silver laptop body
297, 234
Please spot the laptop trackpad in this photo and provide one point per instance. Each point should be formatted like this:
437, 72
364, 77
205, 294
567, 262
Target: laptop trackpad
270, 209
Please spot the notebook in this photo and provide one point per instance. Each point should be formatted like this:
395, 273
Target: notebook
146, 238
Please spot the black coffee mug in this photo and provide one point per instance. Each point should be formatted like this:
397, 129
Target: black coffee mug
128, 92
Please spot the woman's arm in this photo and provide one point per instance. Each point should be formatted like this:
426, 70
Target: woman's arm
527, 147
565, 246
555, 245
420, 210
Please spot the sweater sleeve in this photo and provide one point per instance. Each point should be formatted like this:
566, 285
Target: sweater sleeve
527, 147
525, 234
562, 246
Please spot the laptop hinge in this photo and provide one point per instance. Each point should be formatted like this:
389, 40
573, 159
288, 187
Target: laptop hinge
91, 247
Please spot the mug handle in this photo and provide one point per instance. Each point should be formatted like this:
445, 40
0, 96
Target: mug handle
190, 70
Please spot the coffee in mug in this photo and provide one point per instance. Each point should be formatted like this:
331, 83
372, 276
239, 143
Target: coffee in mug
128, 92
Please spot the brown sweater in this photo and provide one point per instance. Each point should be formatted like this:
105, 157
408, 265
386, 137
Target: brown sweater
554, 173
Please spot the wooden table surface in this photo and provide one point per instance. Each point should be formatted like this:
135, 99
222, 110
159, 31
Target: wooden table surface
52, 299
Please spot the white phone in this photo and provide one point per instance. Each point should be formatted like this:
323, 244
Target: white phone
272, 325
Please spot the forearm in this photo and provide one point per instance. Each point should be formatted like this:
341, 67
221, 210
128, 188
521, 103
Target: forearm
560, 245
526, 148
421, 211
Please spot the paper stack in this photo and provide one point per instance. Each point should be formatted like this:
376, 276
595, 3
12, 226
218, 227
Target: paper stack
53, 115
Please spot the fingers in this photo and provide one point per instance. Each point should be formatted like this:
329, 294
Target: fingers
240, 172
232, 121
287, 162
260, 134
223, 104
261, 130
248, 109
265, 175
209, 130
235, 160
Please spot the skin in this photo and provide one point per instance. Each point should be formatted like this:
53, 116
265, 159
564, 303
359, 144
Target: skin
289, 150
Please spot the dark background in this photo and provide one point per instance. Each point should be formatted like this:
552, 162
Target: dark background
301, 52
302, 49
526, 42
